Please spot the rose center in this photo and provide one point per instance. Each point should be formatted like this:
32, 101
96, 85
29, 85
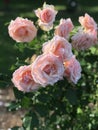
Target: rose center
50, 69
22, 32
46, 16
27, 78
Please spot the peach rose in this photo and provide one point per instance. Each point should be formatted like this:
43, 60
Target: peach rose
88, 22
64, 28
59, 47
46, 16
23, 79
47, 69
84, 40
22, 30
72, 70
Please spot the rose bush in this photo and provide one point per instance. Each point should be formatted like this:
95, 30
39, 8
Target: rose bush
86, 35
58, 82
84, 40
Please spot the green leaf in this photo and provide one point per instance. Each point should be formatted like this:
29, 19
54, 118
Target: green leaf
20, 46
71, 95
13, 106
3, 84
79, 110
25, 102
27, 122
30, 121
93, 50
42, 109
4, 80
43, 97
35, 121
18, 94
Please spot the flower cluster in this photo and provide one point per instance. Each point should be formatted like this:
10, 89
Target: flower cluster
57, 59
86, 35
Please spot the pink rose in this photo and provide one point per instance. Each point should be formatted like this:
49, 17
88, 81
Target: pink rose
84, 40
59, 47
23, 79
88, 22
46, 16
47, 69
64, 28
72, 70
22, 30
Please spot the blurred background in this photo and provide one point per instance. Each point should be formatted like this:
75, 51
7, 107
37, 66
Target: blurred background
10, 9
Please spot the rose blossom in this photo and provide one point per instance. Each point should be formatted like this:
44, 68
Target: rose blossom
58, 46
84, 40
22, 30
23, 79
88, 22
46, 16
72, 70
47, 69
64, 28
86, 36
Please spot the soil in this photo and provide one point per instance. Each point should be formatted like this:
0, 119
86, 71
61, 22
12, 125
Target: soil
8, 119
